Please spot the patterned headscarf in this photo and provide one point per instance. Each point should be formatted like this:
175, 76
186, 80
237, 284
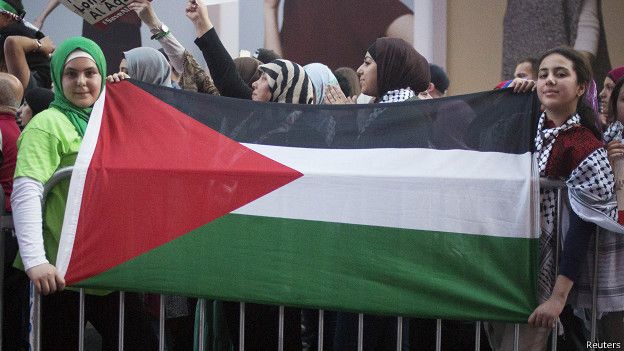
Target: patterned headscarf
288, 82
399, 66
79, 117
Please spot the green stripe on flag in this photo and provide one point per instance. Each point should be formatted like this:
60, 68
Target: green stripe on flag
340, 267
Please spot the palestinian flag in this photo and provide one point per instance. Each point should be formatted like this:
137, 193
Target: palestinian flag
420, 208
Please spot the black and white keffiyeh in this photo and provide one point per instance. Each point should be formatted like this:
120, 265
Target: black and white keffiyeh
613, 132
545, 139
592, 178
397, 95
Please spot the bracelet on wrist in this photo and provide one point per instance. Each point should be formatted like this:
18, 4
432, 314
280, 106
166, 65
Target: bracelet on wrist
163, 31
39, 45
160, 35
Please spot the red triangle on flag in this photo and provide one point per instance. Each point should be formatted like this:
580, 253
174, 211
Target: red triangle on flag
157, 174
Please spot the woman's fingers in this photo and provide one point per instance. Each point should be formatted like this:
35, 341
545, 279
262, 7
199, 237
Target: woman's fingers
60, 282
521, 85
117, 77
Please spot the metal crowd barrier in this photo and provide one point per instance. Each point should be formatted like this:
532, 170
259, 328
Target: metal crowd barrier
558, 185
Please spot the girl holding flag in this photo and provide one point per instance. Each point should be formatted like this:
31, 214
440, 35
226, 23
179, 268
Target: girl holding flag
568, 146
48, 143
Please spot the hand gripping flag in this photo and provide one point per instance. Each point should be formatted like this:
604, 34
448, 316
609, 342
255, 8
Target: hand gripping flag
420, 208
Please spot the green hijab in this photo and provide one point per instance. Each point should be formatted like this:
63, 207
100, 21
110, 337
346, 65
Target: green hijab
79, 117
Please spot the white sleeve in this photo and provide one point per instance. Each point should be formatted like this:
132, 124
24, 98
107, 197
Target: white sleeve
173, 49
588, 32
28, 220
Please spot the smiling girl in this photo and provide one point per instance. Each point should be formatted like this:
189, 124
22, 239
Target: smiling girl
50, 142
569, 147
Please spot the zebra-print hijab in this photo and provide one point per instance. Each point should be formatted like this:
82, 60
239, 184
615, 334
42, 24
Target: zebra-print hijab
288, 82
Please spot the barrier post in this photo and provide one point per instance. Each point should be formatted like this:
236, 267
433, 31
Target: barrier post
122, 317
595, 288
161, 322
35, 319
81, 321
438, 334
477, 335
321, 329
360, 346
553, 344
241, 328
280, 332
399, 333
202, 323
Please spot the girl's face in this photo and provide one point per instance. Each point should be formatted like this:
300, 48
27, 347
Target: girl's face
368, 76
557, 85
81, 82
123, 66
620, 105
261, 89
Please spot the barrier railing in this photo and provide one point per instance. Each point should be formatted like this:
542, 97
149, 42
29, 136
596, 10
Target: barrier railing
557, 185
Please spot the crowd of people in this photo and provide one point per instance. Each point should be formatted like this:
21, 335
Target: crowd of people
47, 94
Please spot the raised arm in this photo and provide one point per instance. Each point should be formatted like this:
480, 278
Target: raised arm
402, 27
15, 50
52, 4
219, 61
271, 31
171, 45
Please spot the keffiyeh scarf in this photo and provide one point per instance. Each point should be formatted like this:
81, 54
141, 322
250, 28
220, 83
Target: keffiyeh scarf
397, 95
592, 177
613, 132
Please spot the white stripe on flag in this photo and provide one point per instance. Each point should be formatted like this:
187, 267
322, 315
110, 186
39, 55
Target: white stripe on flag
76, 185
470, 192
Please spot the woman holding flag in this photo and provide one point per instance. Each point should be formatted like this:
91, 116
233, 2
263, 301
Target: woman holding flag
568, 146
50, 142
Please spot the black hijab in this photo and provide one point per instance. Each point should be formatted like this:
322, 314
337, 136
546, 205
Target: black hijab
399, 66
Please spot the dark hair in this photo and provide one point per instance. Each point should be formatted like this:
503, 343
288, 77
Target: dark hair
439, 78
613, 100
533, 61
38, 99
583, 77
348, 81
266, 55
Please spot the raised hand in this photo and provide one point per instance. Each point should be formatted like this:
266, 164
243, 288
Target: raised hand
47, 46
271, 4
197, 12
117, 77
145, 11
522, 85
